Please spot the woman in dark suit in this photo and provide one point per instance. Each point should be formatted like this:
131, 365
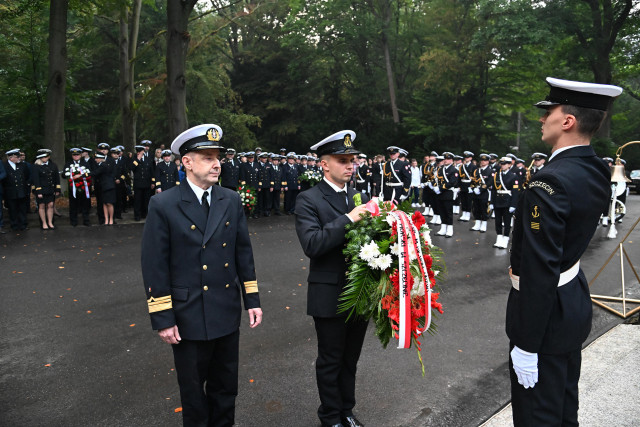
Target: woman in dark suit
104, 174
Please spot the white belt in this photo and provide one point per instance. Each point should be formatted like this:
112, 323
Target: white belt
465, 180
393, 184
360, 181
565, 276
504, 192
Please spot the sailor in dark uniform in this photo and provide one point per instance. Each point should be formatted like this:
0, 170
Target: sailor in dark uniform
86, 160
16, 189
198, 270
265, 185
166, 173
79, 188
230, 171
396, 177
104, 175
278, 183
428, 196
493, 162
143, 182
105, 149
466, 170
321, 215
549, 309
291, 190
447, 180
505, 186
46, 182
480, 183
363, 174
248, 173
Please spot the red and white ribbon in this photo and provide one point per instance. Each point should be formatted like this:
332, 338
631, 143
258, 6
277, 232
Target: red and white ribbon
86, 187
408, 234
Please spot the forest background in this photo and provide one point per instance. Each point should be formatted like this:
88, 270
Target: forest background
424, 75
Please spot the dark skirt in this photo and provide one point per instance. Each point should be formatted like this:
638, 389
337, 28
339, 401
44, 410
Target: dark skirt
109, 196
46, 198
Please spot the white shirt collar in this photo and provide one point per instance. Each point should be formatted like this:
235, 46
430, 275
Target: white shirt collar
199, 191
13, 165
560, 150
335, 187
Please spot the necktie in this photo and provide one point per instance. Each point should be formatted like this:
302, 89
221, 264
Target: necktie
205, 202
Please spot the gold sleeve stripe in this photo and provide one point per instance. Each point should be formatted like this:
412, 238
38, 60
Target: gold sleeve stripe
38, 188
135, 163
159, 304
251, 287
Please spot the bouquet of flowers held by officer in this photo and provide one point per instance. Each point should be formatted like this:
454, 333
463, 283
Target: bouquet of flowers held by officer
79, 177
311, 176
247, 197
392, 272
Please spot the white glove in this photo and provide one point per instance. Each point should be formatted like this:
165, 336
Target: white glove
403, 198
525, 365
430, 185
470, 190
436, 190
364, 191
512, 209
491, 207
477, 191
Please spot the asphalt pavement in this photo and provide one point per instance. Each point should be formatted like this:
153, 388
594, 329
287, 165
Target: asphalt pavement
78, 348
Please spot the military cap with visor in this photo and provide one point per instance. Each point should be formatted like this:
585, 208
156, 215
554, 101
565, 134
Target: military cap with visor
580, 94
338, 143
198, 138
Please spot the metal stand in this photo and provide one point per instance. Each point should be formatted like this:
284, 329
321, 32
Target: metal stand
597, 298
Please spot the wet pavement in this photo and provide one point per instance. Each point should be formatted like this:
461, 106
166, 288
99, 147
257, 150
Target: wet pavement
78, 349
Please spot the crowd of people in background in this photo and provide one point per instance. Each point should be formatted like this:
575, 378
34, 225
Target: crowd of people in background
476, 188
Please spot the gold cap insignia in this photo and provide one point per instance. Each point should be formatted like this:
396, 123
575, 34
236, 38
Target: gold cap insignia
347, 140
213, 134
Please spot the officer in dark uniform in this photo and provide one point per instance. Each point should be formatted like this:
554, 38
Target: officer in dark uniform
86, 160
46, 182
79, 188
466, 173
265, 185
428, 173
16, 189
105, 179
448, 178
480, 183
376, 175
278, 183
396, 177
363, 174
248, 173
505, 186
121, 173
493, 162
143, 180
198, 269
549, 309
230, 171
105, 150
291, 190
321, 215
166, 173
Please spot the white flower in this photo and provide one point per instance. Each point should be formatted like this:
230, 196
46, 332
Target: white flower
391, 219
426, 236
417, 289
435, 273
369, 251
383, 262
412, 253
395, 249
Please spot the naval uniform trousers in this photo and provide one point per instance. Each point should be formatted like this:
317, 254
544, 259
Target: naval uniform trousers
503, 220
79, 203
17, 212
480, 205
275, 201
554, 399
339, 347
445, 209
208, 379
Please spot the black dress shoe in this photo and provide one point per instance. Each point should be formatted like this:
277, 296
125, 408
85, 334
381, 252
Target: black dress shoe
351, 422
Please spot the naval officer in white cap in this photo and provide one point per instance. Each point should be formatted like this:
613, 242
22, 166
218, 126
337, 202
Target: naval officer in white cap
198, 270
321, 215
549, 307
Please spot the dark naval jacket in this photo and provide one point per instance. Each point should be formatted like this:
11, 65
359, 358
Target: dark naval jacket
197, 269
556, 218
16, 183
320, 222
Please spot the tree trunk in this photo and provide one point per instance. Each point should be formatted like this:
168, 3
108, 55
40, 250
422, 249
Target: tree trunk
387, 61
56, 84
128, 38
178, 12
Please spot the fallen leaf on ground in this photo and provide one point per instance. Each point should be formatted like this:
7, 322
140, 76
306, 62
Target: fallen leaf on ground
132, 325
89, 311
178, 410
48, 365
251, 380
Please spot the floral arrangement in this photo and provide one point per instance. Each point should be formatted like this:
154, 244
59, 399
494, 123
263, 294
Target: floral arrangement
83, 181
248, 197
311, 176
392, 272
